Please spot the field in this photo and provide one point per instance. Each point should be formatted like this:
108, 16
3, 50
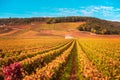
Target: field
40, 51
59, 40
60, 59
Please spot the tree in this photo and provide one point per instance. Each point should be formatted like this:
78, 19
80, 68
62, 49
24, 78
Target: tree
103, 31
93, 30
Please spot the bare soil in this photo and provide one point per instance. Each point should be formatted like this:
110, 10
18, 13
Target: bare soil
73, 70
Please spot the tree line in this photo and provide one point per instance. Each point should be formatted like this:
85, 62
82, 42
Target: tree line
48, 20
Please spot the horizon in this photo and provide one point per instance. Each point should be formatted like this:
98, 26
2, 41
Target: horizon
104, 9
56, 17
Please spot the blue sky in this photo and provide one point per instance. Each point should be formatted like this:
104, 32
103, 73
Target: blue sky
104, 9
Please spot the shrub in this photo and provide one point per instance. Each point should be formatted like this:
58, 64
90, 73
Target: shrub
12, 71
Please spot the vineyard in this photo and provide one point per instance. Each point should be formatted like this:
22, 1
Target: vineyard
60, 59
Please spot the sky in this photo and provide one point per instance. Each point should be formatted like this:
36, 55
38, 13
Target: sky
103, 9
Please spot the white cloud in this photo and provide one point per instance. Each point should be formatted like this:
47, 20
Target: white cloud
106, 7
85, 12
67, 11
104, 12
117, 9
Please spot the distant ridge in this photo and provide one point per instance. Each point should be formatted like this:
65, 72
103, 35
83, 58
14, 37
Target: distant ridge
92, 24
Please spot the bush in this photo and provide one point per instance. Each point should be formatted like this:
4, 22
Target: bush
12, 71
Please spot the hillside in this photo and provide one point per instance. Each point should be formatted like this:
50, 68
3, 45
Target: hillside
37, 29
101, 27
56, 26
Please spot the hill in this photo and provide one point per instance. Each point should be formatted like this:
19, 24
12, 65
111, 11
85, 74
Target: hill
56, 26
101, 27
37, 29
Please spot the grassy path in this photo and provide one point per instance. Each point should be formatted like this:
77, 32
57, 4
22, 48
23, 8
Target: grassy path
73, 69
68, 73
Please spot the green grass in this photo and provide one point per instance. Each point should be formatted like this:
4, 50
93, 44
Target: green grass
68, 67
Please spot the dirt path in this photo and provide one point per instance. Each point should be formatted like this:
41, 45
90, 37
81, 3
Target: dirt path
8, 33
73, 69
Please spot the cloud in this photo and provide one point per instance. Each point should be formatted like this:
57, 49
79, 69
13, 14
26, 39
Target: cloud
104, 12
105, 7
88, 11
117, 9
67, 11
85, 12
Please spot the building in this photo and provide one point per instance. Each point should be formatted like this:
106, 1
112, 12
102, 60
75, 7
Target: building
68, 36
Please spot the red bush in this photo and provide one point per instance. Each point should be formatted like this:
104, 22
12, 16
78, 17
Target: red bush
12, 71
